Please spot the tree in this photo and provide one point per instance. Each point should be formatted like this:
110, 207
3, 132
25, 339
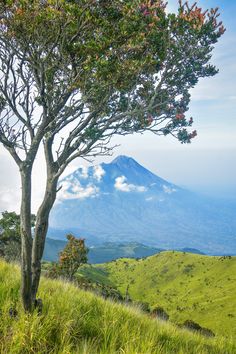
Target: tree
10, 244
10, 240
73, 256
75, 73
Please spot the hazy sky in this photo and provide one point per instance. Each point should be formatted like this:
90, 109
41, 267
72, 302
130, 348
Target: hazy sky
208, 164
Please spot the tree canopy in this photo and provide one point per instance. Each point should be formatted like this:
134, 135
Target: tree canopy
10, 236
101, 67
10, 239
73, 256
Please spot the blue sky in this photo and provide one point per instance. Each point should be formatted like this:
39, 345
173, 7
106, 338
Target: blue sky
207, 165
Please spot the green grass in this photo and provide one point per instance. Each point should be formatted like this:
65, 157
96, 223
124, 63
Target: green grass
75, 321
187, 286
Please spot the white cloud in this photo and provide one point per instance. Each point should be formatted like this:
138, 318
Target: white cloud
122, 185
74, 190
149, 199
83, 172
9, 199
168, 190
98, 172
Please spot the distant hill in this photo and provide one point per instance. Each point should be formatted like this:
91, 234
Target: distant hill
124, 202
103, 253
52, 249
108, 251
75, 321
111, 251
187, 286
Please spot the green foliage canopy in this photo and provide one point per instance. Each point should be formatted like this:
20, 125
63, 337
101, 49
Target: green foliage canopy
10, 245
10, 240
131, 63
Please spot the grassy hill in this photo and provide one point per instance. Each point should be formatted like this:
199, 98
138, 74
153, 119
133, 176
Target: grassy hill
188, 286
75, 321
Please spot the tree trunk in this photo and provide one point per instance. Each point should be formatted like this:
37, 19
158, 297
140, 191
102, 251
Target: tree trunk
40, 233
26, 239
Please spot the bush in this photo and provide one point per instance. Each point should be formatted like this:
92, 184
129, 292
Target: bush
193, 326
160, 313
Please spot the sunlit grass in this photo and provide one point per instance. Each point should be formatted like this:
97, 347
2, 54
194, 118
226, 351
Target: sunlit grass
75, 321
187, 286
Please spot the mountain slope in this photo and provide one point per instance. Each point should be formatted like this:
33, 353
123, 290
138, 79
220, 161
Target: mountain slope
122, 201
101, 253
78, 322
187, 286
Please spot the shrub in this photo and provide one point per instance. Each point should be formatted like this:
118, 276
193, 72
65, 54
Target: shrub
160, 313
193, 326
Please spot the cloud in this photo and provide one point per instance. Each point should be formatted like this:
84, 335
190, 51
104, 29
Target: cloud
74, 190
83, 172
168, 190
98, 172
121, 185
149, 199
9, 199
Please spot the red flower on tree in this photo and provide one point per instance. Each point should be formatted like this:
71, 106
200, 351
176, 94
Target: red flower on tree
179, 116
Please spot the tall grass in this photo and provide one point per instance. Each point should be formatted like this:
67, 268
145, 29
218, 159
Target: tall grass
75, 321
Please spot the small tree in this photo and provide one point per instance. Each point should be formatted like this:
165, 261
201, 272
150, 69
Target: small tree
10, 239
73, 256
75, 73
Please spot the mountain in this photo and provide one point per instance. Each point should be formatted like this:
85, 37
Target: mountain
101, 253
187, 286
52, 249
124, 202
108, 251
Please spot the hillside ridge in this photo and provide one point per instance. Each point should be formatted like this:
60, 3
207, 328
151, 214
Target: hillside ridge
188, 286
74, 321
